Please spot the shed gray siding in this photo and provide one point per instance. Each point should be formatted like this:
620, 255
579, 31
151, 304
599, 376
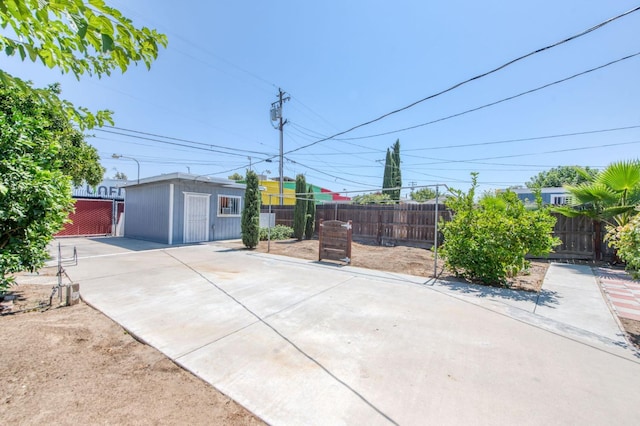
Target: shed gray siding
226, 228
147, 212
221, 228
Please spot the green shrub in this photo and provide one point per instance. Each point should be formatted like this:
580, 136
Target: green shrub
626, 240
278, 232
488, 241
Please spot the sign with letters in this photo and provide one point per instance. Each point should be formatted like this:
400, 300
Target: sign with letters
110, 189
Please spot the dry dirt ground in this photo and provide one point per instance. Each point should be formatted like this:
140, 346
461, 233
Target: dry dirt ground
73, 365
400, 259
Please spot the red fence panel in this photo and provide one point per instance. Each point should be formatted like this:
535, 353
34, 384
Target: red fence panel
91, 217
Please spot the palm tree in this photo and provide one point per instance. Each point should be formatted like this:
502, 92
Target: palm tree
610, 196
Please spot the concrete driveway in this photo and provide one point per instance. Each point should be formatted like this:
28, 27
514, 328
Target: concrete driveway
298, 342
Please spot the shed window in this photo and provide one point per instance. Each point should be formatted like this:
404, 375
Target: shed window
228, 205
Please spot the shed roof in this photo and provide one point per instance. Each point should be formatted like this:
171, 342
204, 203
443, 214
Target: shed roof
177, 176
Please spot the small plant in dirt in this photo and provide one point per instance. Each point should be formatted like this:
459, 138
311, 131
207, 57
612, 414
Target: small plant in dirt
278, 232
488, 241
626, 240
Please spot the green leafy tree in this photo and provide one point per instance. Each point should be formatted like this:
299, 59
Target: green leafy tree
562, 175
423, 194
488, 241
75, 36
300, 208
42, 154
120, 176
250, 222
610, 196
236, 176
376, 198
310, 226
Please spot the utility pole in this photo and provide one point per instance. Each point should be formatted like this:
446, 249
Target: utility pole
276, 115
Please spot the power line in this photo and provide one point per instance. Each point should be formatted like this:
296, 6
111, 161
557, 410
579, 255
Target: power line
312, 111
477, 77
440, 160
337, 151
164, 160
504, 141
183, 140
172, 143
325, 173
562, 135
317, 134
173, 111
198, 47
333, 166
499, 101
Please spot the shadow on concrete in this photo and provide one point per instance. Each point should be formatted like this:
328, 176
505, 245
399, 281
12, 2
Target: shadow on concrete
543, 298
336, 264
130, 243
613, 273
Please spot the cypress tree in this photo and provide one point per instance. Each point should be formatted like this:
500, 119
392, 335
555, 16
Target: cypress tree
386, 179
300, 208
311, 215
396, 174
251, 212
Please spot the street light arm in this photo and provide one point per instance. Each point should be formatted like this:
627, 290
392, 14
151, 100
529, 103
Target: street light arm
118, 156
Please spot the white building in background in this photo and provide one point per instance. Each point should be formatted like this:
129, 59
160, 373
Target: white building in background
109, 189
550, 196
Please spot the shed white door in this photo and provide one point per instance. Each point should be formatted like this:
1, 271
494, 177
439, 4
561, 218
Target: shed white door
196, 217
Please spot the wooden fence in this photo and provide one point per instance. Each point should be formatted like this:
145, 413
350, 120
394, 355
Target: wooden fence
414, 225
582, 238
404, 224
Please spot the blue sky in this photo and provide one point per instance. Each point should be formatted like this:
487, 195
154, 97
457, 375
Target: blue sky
347, 62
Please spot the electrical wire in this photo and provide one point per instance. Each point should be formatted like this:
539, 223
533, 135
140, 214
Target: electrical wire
331, 166
293, 98
172, 143
184, 140
317, 134
499, 101
534, 138
325, 173
477, 77
198, 47
584, 148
